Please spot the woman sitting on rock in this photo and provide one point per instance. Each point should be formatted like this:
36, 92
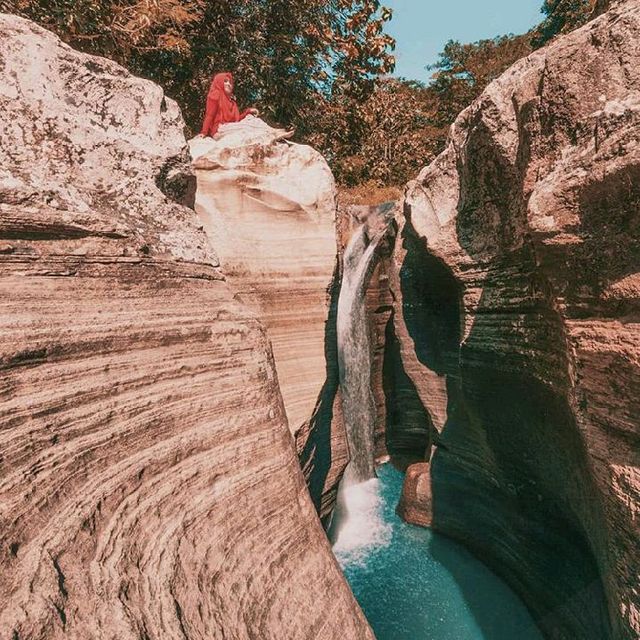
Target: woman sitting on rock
221, 105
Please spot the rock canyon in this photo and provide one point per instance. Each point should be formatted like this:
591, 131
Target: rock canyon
149, 485
517, 286
192, 339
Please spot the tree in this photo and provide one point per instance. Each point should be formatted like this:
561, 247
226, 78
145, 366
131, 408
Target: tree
286, 54
563, 16
464, 70
402, 125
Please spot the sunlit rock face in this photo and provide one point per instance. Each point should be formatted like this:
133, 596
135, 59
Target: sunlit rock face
268, 207
518, 265
149, 485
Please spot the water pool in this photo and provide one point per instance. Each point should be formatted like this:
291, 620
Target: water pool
414, 584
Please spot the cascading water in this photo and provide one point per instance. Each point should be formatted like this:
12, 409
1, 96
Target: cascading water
357, 521
354, 356
411, 583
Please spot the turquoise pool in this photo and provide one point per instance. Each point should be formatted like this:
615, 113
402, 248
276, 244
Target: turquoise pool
414, 584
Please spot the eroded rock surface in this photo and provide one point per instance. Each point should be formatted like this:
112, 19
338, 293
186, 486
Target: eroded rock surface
525, 320
149, 486
268, 206
415, 504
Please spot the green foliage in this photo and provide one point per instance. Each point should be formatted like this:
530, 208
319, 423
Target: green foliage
464, 70
317, 65
562, 16
383, 139
403, 125
286, 54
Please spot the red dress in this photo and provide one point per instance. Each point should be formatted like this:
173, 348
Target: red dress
221, 108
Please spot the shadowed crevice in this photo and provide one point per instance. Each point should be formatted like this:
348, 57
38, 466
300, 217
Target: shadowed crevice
316, 454
430, 305
408, 425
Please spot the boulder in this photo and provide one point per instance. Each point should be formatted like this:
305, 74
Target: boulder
415, 506
268, 207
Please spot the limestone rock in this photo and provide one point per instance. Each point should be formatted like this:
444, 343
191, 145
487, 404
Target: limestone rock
528, 232
268, 207
415, 506
149, 485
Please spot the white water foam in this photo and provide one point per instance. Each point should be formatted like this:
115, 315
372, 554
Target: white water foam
362, 527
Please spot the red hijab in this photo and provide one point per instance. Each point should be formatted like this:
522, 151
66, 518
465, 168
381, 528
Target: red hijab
221, 108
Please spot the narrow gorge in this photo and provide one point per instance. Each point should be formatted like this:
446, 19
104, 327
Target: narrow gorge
515, 318
354, 351
211, 372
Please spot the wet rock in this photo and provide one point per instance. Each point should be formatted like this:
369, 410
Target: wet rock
415, 506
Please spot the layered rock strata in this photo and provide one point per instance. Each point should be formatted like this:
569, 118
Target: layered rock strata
149, 485
268, 206
518, 283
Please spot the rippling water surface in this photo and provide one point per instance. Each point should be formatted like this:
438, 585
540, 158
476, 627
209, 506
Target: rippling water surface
413, 584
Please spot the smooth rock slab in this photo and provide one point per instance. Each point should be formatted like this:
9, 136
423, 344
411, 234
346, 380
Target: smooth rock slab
268, 207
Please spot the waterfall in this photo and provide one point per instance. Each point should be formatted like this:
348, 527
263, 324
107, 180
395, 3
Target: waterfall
358, 524
354, 356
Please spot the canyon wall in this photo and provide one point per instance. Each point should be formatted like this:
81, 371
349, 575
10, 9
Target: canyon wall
149, 485
268, 206
517, 287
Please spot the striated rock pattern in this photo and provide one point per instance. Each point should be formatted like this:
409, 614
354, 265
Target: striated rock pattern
268, 206
518, 282
149, 485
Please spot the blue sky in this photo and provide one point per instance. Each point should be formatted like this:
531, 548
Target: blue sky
422, 27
